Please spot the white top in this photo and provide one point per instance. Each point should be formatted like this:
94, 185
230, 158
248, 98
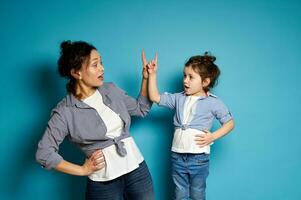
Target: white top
115, 164
183, 140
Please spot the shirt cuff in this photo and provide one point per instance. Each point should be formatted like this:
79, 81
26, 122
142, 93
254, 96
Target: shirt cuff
53, 160
144, 101
226, 118
163, 99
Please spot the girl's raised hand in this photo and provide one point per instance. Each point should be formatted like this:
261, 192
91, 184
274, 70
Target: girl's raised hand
153, 65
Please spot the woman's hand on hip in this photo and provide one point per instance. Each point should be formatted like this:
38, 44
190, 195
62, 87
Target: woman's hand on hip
94, 163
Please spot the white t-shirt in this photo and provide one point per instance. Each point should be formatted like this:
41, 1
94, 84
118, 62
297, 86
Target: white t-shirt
116, 165
183, 140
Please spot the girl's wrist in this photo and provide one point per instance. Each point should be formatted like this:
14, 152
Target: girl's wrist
152, 74
214, 137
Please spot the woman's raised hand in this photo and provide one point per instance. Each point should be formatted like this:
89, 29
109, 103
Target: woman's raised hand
144, 65
94, 163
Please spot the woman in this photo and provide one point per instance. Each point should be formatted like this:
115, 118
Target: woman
96, 117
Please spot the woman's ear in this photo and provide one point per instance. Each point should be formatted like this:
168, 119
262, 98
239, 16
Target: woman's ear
206, 82
76, 74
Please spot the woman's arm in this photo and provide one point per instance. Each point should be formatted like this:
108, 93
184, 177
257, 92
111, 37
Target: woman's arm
94, 163
143, 90
47, 153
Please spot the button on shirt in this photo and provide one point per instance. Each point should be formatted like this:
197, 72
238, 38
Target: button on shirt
193, 115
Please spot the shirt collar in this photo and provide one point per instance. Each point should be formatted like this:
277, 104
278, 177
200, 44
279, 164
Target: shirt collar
204, 97
212, 95
73, 101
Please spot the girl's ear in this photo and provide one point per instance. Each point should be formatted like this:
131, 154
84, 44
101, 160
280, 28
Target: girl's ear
206, 82
76, 74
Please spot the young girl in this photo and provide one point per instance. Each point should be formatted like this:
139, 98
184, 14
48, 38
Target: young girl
195, 109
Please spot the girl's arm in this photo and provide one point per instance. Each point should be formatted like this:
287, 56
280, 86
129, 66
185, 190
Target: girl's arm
206, 139
143, 90
94, 163
223, 130
153, 91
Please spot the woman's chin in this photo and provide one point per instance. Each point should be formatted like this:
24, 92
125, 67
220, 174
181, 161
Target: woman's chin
100, 83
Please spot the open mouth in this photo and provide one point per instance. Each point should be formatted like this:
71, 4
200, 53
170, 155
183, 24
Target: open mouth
101, 77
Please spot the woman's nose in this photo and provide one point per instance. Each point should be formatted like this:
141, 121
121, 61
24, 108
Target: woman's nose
101, 67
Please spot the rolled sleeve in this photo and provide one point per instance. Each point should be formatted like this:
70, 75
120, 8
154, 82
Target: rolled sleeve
145, 103
52, 161
221, 112
136, 107
48, 147
168, 100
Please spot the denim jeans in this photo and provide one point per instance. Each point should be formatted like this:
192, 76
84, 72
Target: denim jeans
136, 185
189, 174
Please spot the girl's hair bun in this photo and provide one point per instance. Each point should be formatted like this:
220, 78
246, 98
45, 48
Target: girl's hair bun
65, 45
207, 57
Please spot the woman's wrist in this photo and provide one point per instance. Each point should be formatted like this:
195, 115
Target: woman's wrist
83, 171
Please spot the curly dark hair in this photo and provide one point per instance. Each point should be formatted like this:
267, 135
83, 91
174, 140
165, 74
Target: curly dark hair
72, 56
205, 67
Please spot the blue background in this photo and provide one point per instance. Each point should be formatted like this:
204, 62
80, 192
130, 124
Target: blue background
257, 45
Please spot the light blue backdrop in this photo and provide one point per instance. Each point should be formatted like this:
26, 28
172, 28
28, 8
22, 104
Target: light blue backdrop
257, 45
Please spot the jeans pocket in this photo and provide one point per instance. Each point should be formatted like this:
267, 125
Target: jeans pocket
174, 156
201, 159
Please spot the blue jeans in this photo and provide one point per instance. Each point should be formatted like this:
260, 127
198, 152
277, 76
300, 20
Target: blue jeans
189, 174
134, 185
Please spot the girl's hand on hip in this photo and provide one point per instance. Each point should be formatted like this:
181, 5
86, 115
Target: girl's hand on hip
94, 163
204, 139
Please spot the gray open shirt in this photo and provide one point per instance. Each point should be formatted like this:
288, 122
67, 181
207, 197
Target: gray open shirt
83, 126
